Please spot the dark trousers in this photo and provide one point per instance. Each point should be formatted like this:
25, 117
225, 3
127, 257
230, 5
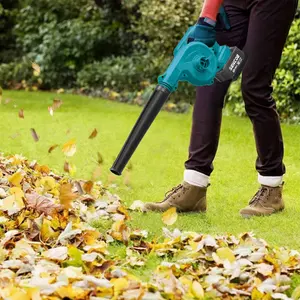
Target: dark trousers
260, 28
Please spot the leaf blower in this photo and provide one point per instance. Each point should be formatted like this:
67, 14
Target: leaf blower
193, 62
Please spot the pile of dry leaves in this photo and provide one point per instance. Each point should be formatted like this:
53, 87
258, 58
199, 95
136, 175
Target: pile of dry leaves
49, 250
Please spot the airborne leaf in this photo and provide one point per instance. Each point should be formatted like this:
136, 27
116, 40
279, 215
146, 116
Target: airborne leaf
170, 216
52, 148
57, 103
36, 69
21, 114
93, 134
69, 148
34, 135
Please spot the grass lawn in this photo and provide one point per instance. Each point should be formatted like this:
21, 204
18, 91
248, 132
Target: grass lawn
158, 163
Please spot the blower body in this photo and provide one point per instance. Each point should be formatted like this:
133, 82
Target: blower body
193, 62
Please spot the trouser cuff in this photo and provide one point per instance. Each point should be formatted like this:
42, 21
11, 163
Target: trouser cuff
272, 181
196, 178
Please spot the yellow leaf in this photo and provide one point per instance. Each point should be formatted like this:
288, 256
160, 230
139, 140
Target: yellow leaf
69, 148
69, 292
60, 91
13, 203
120, 284
197, 290
256, 294
16, 179
17, 192
170, 216
47, 232
17, 294
36, 69
226, 253
33, 293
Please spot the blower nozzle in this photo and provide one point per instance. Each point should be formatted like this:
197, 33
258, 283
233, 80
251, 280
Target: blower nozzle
151, 110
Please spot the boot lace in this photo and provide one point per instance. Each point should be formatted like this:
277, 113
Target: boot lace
173, 191
260, 197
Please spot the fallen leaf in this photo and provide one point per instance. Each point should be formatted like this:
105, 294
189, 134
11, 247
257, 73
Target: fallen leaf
137, 205
66, 195
34, 135
21, 114
16, 179
41, 204
93, 134
69, 148
169, 217
197, 290
226, 253
264, 269
59, 253
52, 148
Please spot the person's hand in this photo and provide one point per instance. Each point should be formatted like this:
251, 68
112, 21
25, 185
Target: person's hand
204, 33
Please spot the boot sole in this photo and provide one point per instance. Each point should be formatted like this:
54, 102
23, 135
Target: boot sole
249, 216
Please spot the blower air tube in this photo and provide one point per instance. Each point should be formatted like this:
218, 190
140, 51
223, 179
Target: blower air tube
151, 110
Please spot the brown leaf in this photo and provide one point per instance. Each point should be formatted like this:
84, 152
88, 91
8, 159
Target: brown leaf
106, 265
34, 135
21, 114
52, 148
67, 167
41, 204
88, 186
99, 158
66, 195
57, 103
93, 134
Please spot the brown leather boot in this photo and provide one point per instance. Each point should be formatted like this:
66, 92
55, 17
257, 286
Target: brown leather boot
266, 201
185, 197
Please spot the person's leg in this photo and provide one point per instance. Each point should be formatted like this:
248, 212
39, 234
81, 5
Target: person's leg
191, 194
208, 107
269, 25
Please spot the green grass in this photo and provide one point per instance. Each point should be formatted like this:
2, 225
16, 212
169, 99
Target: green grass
158, 163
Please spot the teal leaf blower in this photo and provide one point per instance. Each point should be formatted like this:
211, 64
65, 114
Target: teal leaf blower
193, 62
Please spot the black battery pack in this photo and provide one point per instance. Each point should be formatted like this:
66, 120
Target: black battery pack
233, 67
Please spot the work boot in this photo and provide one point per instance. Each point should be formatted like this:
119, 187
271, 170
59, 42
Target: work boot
185, 197
266, 201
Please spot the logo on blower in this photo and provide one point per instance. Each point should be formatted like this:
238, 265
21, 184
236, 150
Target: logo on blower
235, 63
